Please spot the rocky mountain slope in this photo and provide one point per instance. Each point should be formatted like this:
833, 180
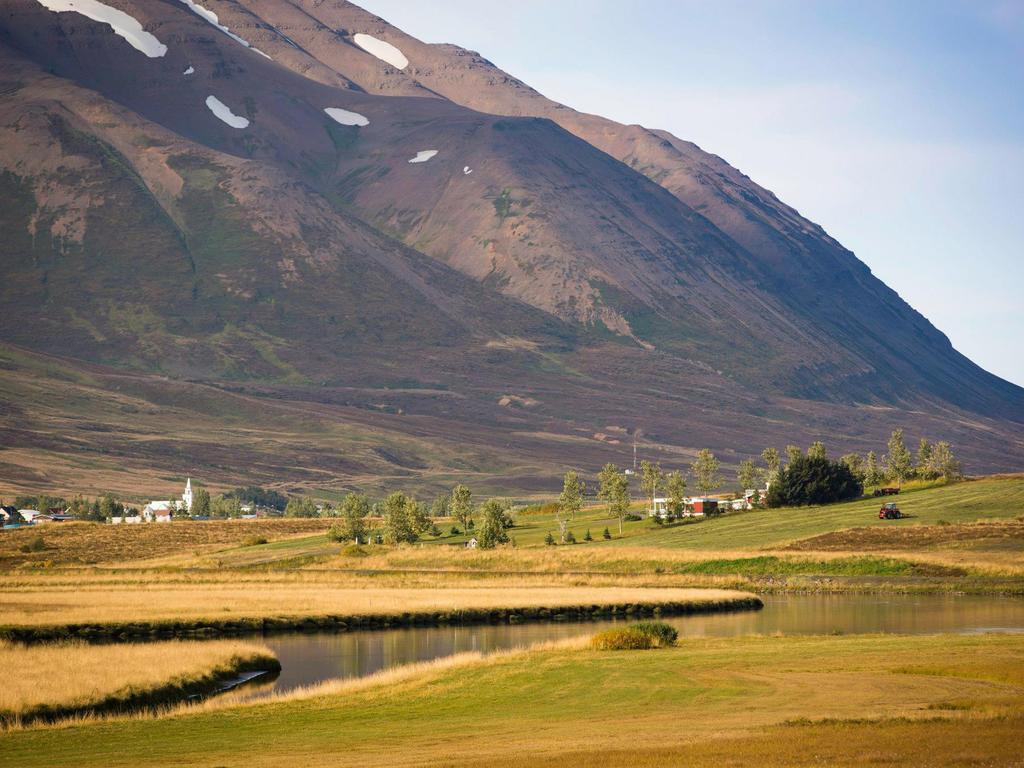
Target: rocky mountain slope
295, 200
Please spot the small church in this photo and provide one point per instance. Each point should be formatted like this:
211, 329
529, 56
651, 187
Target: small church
163, 511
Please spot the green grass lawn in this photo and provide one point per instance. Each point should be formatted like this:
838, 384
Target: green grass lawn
764, 529
581, 704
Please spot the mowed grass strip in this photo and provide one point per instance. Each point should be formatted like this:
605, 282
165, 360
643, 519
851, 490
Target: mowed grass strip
73, 678
722, 697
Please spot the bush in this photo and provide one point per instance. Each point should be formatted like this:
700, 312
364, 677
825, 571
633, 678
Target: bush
630, 517
664, 634
607, 534
549, 539
625, 639
569, 538
337, 532
36, 545
253, 541
587, 536
813, 480
455, 530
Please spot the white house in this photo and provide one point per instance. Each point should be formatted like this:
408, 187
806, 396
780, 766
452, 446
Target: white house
28, 515
158, 511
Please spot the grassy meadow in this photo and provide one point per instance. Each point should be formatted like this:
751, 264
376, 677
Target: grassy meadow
936, 700
67, 678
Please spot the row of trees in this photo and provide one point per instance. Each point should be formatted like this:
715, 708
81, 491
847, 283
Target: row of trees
404, 520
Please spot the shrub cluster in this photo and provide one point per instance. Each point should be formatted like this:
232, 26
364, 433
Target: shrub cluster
813, 480
640, 636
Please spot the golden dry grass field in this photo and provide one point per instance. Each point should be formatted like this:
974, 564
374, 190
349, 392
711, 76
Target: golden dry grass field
130, 600
69, 676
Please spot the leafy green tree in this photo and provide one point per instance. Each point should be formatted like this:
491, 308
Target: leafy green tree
614, 490
492, 524
898, 461
352, 514
399, 519
461, 506
705, 472
259, 497
748, 475
793, 453
225, 506
943, 463
440, 507
817, 450
872, 473
770, 456
813, 480
924, 459
570, 501
651, 480
200, 503
856, 464
675, 487
418, 516
298, 506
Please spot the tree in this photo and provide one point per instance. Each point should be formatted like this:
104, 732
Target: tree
200, 503
352, 514
817, 450
898, 462
549, 539
942, 462
418, 516
651, 480
298, 506
813, 480
614, 490
492, 524
924, 460
856, 465
773, 462
705, 472
872, 474
569, 502
793, 453
606, 535
440, 507
225, 506
461, 505
259, 497
399, 519
748, 475
675, 486
587, 536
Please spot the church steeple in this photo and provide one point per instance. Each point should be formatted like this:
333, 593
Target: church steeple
186, 497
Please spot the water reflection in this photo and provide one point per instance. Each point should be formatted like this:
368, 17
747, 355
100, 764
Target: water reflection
312, 658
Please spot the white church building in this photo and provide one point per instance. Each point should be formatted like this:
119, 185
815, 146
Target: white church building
161, 511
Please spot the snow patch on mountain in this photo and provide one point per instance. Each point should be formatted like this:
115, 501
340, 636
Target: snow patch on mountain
345, 117
123, 24
423, 155
221, 110
467, 170
214, 20
384, 51
190, 71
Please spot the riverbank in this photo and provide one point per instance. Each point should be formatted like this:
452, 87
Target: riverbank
160, 610
940, 700
55, 681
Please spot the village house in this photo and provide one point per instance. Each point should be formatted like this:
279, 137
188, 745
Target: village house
158, 512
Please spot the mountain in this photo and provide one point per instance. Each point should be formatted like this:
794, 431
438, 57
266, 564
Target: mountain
296, 202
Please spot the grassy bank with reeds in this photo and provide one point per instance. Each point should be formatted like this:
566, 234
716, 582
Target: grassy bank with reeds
769, 701
59, 680
114, 612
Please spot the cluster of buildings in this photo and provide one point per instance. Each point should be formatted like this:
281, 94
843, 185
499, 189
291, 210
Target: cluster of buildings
159, 511
699, 506
12, 516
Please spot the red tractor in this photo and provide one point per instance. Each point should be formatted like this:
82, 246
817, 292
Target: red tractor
889, 512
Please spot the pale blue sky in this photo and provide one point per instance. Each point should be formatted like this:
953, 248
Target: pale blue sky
898, 126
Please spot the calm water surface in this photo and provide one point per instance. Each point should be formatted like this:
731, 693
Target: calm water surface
313, 658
